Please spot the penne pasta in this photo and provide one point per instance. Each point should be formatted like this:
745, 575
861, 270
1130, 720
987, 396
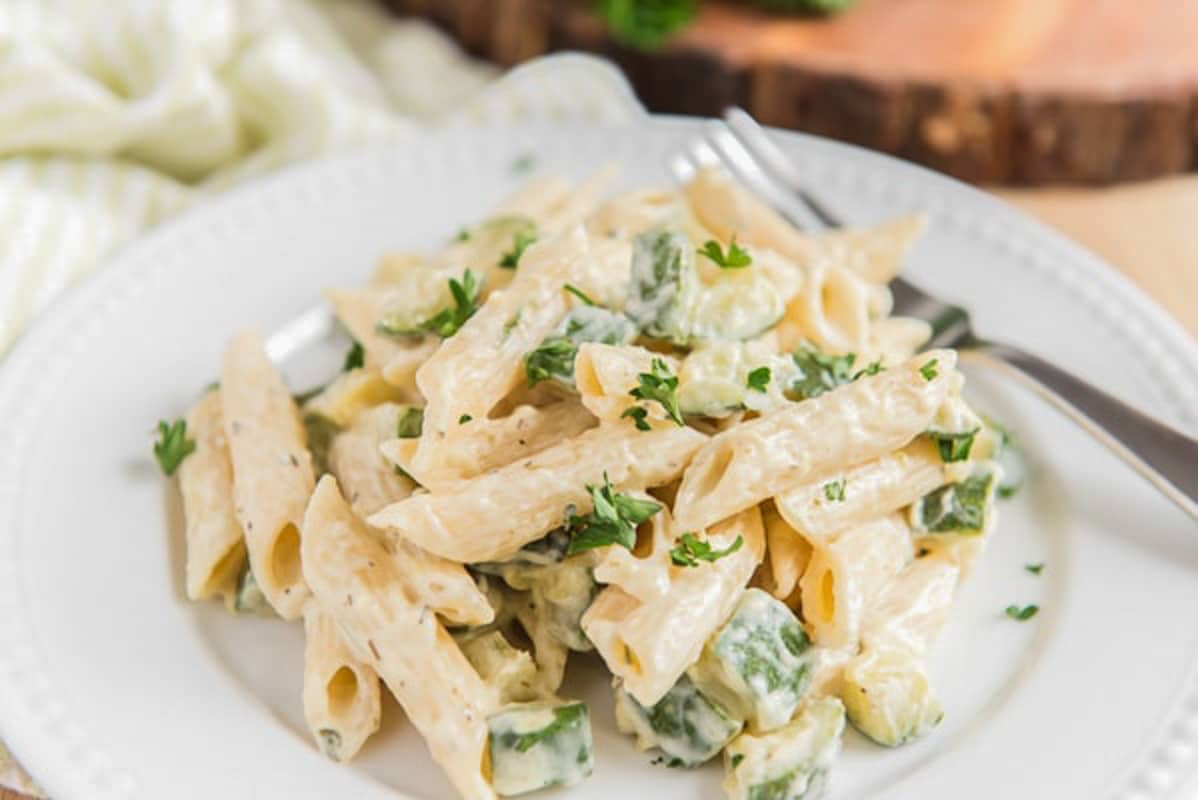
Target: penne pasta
342, 703
272, 470
858, 422
648, 640
215, 544
390, 630
459, 523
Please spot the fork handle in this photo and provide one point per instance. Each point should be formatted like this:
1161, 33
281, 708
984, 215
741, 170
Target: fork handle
1163, 455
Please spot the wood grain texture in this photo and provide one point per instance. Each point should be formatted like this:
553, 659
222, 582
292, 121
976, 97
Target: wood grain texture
1005, 91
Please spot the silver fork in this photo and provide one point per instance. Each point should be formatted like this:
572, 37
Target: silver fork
1167, 457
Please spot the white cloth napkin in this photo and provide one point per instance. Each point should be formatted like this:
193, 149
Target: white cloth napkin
115, 114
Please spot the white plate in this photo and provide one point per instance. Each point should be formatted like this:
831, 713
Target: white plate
111, 686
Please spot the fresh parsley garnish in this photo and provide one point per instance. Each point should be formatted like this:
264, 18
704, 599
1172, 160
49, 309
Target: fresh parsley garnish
954, 446
759, 379
872, 368
524, 164
447, 321
1022, 614
639, 416
1035, 569
690, 550
462, 420
929, 370
554, 356
574, 290
410, 423
820, 372
521, 240
736, 759
957, 507
736, 257
645, 23
612, 520
355, 358
834, 491
173, 445
463, 235
661, 386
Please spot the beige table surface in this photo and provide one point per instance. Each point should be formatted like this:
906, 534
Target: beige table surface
1148, 230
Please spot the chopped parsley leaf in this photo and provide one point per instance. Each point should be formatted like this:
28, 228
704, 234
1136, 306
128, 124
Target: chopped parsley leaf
820, 372
759, 379
173, 445
520, 242
872, 368
638, 415
929, 370
554, 356
834, 491
524, 164
736, 257
690, 550
574, 290
736, 759
613, 519
954, 446
661, 386
462, 420
463, 235
1035, 569
1022, 614
447, 321
410, 423
355, 358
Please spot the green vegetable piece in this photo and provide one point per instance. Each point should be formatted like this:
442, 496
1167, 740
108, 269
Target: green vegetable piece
690, 550
554, 357
736, 257
954, 446
834, 491
537, 745
759, 664
807, 6
172, 446
645, 24
663, 285
686, 724
320, 431
1022, 614
330, 743
613, 519
1034, 569
355, 358
640, 417
758, 379
930, 370
524, 164
465, 297
660, 385
820, 372
791, 763
249, 598
888, 697
957, 507
410, 422
521, 241
579, 293
510, 670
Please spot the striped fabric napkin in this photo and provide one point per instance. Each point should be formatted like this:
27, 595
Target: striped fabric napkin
116, 114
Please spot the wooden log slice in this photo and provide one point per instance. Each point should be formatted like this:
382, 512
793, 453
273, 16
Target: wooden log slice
1016, 91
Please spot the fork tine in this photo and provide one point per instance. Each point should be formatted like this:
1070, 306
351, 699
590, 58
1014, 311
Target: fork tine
757, 142
741, 163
